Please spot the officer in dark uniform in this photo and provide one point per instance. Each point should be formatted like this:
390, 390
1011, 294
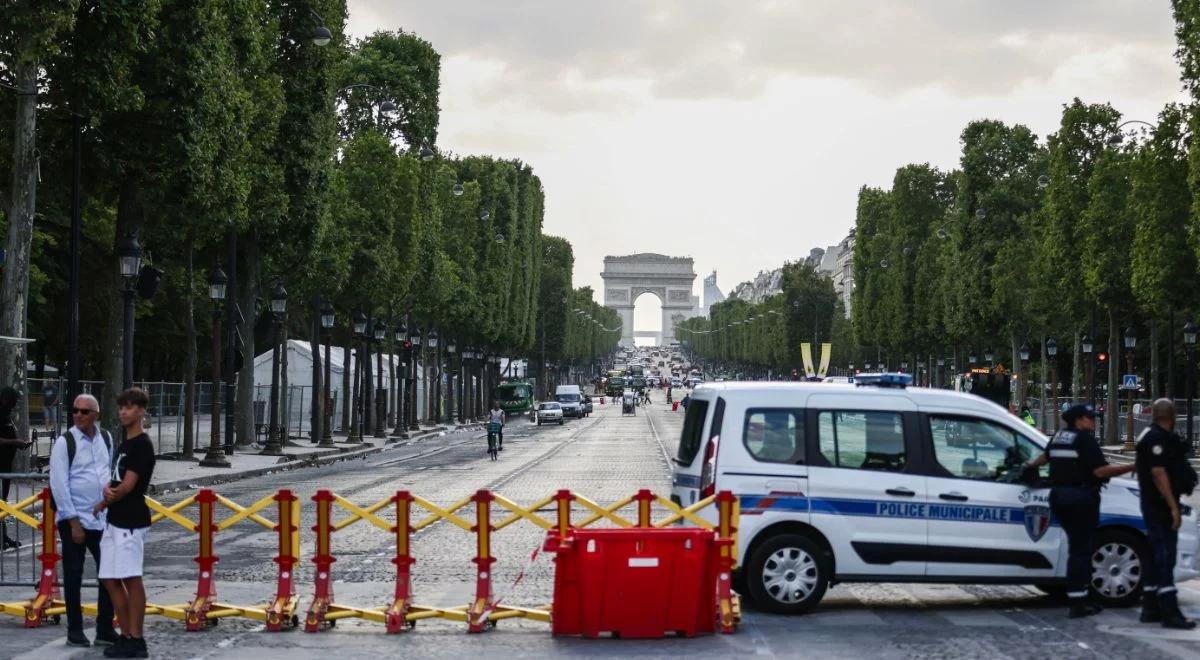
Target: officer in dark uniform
1163, 475
1077, 470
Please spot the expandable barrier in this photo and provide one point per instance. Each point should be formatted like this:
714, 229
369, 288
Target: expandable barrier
481, 613
204, 610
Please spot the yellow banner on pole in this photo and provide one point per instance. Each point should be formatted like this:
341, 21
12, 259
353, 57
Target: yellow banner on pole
826, 351
806, 356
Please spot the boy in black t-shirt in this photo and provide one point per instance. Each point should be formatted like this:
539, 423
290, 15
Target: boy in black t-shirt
122, 547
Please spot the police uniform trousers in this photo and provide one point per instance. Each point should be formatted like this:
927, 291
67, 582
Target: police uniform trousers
1077, 509
1159, 566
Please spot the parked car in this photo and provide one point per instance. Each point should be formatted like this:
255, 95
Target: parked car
549, 412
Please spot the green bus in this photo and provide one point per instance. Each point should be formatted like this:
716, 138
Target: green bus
514, 398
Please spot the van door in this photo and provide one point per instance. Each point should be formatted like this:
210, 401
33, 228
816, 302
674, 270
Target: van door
868, 496
979, 524
685, 478
769, 470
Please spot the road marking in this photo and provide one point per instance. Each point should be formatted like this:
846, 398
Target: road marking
654, 431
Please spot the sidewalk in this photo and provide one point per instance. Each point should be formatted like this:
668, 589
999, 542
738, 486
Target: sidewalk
172, 475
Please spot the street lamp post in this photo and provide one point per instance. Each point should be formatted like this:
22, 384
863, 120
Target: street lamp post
435, 389
130, 255
278, 308
1051, 352
1189, 345
1130, 344
451, 354
1087, 346
400, 334
1023, 354
359, 330
327, 320
414, 336
215, 457
380, 398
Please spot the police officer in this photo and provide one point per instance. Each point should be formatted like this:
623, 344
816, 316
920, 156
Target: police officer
1163, 475
1077, 470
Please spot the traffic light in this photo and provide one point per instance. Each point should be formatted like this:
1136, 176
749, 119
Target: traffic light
1103, 357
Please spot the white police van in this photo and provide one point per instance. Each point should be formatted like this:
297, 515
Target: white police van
883, 483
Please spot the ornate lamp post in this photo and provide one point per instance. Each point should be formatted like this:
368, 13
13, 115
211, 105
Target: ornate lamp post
130, 256
400, 334
451, 354
414, 336
380, 332
327, 321
990, 356
1189, 346
1051, 352
216, 292
1130, 344
359, 329
435, 388
278, 309
1087, 346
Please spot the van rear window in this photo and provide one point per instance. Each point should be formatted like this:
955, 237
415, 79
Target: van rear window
693, 426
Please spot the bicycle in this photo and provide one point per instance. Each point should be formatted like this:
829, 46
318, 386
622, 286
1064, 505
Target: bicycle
494, 429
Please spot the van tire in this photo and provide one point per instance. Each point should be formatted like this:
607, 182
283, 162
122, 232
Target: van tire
768, 558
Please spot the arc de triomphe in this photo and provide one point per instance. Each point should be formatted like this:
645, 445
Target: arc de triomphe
669, 278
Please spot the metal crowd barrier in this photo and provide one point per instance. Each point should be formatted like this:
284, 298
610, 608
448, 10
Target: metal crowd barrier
19, 565
35, 511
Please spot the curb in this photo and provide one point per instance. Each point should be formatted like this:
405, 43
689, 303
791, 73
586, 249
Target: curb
313, 460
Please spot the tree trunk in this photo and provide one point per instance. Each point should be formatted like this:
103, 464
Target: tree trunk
1154, 375
21, 208
189, 376
248, 301
1111, 418
1018, 380
318, 399
129, 219
1076, 364
1042, 390
1171, 355
368, 387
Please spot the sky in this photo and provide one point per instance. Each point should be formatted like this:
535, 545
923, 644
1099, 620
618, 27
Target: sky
739, 132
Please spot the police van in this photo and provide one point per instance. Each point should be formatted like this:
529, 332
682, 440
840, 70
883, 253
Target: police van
879, 482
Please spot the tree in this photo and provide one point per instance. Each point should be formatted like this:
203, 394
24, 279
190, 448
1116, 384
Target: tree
1160, 202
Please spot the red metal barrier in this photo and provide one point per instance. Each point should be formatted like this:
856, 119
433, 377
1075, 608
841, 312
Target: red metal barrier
206, 592
324, 562
636, 583
279, 612
396, 621
483, 561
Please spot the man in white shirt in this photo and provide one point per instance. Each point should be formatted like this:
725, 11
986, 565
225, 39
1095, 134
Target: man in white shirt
79, 471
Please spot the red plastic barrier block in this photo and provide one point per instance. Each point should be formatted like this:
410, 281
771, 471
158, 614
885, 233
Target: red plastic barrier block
636, 583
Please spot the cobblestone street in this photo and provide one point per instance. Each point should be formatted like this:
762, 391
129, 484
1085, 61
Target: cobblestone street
605, 457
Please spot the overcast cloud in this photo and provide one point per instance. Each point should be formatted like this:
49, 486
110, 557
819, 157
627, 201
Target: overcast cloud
739, 132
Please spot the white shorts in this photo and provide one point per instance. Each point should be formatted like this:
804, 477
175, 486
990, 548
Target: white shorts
121, 552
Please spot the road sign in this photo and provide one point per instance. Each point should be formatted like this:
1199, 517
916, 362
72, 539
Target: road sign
1129, 382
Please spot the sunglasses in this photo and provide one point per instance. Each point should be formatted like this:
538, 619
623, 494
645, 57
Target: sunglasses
81, 411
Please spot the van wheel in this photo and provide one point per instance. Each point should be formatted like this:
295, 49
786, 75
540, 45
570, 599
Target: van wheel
788, 574
1117, 561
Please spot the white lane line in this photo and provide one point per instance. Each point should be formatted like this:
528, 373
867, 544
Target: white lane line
654, 432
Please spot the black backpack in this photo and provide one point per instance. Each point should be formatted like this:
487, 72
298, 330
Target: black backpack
70, 438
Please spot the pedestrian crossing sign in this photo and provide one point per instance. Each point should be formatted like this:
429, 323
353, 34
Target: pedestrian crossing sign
1129, 382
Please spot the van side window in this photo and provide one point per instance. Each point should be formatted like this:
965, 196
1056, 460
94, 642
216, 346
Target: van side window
774, 435
862, 440
977, 449
693, 425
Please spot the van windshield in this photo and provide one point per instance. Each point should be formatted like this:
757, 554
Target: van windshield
567, 398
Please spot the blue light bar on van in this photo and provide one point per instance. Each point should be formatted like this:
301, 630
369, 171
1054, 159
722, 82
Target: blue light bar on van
883, 380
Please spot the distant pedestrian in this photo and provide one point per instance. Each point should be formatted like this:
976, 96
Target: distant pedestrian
685, 401
1077, 470
1164, 475
1027, 416
50, 407
10, 443
123, 545
79, 470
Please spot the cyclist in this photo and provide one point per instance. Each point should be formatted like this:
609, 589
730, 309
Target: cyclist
496, 426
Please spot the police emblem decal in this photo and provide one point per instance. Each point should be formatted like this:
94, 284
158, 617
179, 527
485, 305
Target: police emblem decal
1037, 521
